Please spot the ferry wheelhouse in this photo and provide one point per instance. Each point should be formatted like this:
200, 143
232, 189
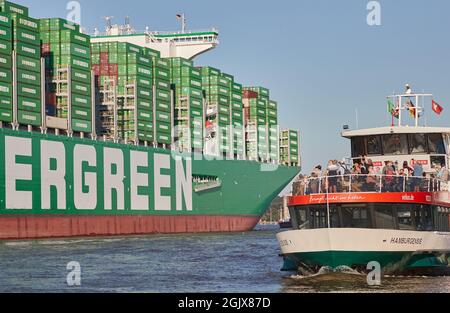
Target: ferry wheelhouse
400, 221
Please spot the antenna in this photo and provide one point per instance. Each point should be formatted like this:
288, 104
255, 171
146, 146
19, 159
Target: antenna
108, 20
181, 17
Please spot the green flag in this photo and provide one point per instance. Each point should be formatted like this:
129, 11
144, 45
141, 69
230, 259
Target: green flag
391, 109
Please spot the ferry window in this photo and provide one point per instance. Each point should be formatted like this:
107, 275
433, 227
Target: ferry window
374, 145
334, 217
417, 144
355, 218
318, 218
395, 144
302, 218
358, 147
405, 221
384, 217
436, 144
424, 218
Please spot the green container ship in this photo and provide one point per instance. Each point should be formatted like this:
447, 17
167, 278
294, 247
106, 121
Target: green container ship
113, 134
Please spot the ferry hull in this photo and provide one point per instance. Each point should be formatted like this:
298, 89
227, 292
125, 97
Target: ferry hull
396, 251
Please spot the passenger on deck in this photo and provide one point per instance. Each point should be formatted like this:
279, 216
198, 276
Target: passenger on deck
371, 180
418, 173
356, 178
332, 173
389, 176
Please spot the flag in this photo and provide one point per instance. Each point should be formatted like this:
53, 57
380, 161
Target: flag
412, 108
436, 107
392, 110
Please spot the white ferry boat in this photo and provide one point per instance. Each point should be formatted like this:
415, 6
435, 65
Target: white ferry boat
400, 221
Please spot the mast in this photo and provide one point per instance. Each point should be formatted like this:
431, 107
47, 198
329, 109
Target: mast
407, 102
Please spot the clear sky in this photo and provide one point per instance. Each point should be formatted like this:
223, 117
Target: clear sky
319, 58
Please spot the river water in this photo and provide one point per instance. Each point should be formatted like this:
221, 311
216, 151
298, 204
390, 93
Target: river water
244, 262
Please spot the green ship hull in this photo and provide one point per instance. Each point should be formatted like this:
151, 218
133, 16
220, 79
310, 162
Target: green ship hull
56, 186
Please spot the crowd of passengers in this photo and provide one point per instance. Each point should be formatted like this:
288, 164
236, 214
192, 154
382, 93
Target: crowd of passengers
364, 176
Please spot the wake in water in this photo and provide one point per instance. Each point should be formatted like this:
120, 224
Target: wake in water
305, 272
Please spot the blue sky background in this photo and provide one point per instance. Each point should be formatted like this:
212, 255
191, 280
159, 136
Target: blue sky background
319, 58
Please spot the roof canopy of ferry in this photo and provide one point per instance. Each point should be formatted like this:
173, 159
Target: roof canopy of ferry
395, 130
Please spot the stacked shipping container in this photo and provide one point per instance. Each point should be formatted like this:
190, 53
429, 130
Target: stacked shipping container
67, 56
6, 103
218, 97
124, 84
20, 32
139, 95
164, 117
289, 148
189, 108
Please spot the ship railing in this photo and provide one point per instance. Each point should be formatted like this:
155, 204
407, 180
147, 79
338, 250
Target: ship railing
371, 183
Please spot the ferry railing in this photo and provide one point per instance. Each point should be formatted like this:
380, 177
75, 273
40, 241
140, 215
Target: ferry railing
371, 183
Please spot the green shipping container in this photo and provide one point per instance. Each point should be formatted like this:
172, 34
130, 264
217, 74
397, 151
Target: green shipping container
145, 126
81, 101
76, 62
44, 25
81, 76
10, 8
27, 104
69, 36
81, 126
62, 24
5, 61
95, 48
162, 127
76, 50
145, 136
5, 47
55, 37
5, 20
162, 74
126, 48
5, 34
163, 139
81, 89
5, 75
163, 95
145, 93
26, 36
20, 21
163, 117
29, 91
79, 113
29, 64
139, 70
6, 103
163, 106
236, 106
144, 116
145, 104
5, 90
152, 53
210, 71
28, 77
29, 118
45, 37
6, 115
181, 62
27, 50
